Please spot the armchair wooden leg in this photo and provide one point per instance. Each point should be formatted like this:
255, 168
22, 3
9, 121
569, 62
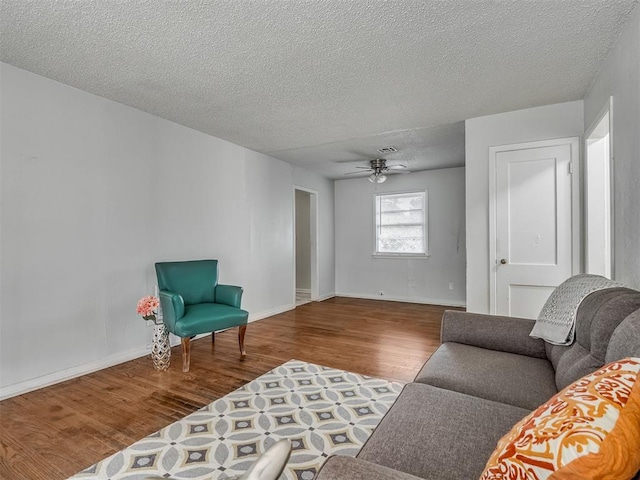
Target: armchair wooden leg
186, 353
241, 331
213, 337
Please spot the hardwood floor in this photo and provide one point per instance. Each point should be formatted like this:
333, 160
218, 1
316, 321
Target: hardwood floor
57, 431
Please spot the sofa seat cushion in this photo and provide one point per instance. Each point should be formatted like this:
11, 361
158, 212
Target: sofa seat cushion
510, 378
439, 434
341, 467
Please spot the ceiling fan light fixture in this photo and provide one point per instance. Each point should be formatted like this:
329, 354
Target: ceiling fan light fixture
377, 178
378, 167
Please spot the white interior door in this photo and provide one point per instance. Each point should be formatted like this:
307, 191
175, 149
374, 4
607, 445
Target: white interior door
533, 223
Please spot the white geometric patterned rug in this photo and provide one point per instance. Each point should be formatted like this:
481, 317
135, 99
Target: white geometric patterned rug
323, 411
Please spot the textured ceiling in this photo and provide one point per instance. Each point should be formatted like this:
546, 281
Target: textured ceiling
320, 82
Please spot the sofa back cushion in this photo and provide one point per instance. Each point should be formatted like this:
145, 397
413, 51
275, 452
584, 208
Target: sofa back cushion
597, 318
625, 341
589, 430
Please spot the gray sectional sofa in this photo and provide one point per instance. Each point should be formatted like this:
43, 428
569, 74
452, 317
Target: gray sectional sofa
486, 376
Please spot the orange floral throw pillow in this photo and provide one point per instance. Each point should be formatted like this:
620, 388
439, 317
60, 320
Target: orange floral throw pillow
589, 430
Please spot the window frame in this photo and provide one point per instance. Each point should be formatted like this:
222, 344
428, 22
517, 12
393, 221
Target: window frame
425, 224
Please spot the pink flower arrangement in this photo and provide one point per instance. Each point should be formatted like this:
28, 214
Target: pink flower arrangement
148, 307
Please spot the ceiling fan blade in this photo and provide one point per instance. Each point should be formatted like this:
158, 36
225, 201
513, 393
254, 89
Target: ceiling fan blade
393, 172
366, 168
397, 167
360, 172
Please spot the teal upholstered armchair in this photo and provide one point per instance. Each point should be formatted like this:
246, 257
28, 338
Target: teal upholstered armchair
193, 303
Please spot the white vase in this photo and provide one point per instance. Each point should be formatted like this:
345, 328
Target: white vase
160, 348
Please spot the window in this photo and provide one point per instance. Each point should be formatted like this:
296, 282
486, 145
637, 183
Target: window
401, 224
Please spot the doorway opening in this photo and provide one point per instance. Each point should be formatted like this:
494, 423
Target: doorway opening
598, 197
306, 256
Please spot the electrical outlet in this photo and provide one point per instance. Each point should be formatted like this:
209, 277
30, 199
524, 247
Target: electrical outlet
148, 346
451, 286
381, 293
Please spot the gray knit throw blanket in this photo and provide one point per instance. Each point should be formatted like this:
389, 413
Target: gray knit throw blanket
556, 323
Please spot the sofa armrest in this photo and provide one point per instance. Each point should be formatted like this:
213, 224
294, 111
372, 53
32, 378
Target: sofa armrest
506, 334
229, 295
172, 308
349, 468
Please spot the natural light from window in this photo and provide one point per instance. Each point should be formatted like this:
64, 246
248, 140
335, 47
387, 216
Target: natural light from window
401, 224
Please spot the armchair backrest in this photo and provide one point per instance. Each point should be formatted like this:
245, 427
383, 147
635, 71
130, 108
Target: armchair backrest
194, 280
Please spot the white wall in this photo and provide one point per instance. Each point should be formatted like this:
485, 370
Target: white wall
359, 274
541, 123
303, 240
93, 193
620, 78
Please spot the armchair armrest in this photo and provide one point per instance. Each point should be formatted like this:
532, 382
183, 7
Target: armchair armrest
172, 308
229, 295
506, 334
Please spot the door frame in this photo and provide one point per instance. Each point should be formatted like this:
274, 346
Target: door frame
607, 108
576, 201
313, 222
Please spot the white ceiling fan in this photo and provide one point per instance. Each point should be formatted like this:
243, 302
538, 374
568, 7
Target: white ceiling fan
380, 170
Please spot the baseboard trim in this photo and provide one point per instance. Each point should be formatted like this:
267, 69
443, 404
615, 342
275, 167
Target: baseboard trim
86, 368
272, 312
326, 296
387, 298
70, 373
303, 290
